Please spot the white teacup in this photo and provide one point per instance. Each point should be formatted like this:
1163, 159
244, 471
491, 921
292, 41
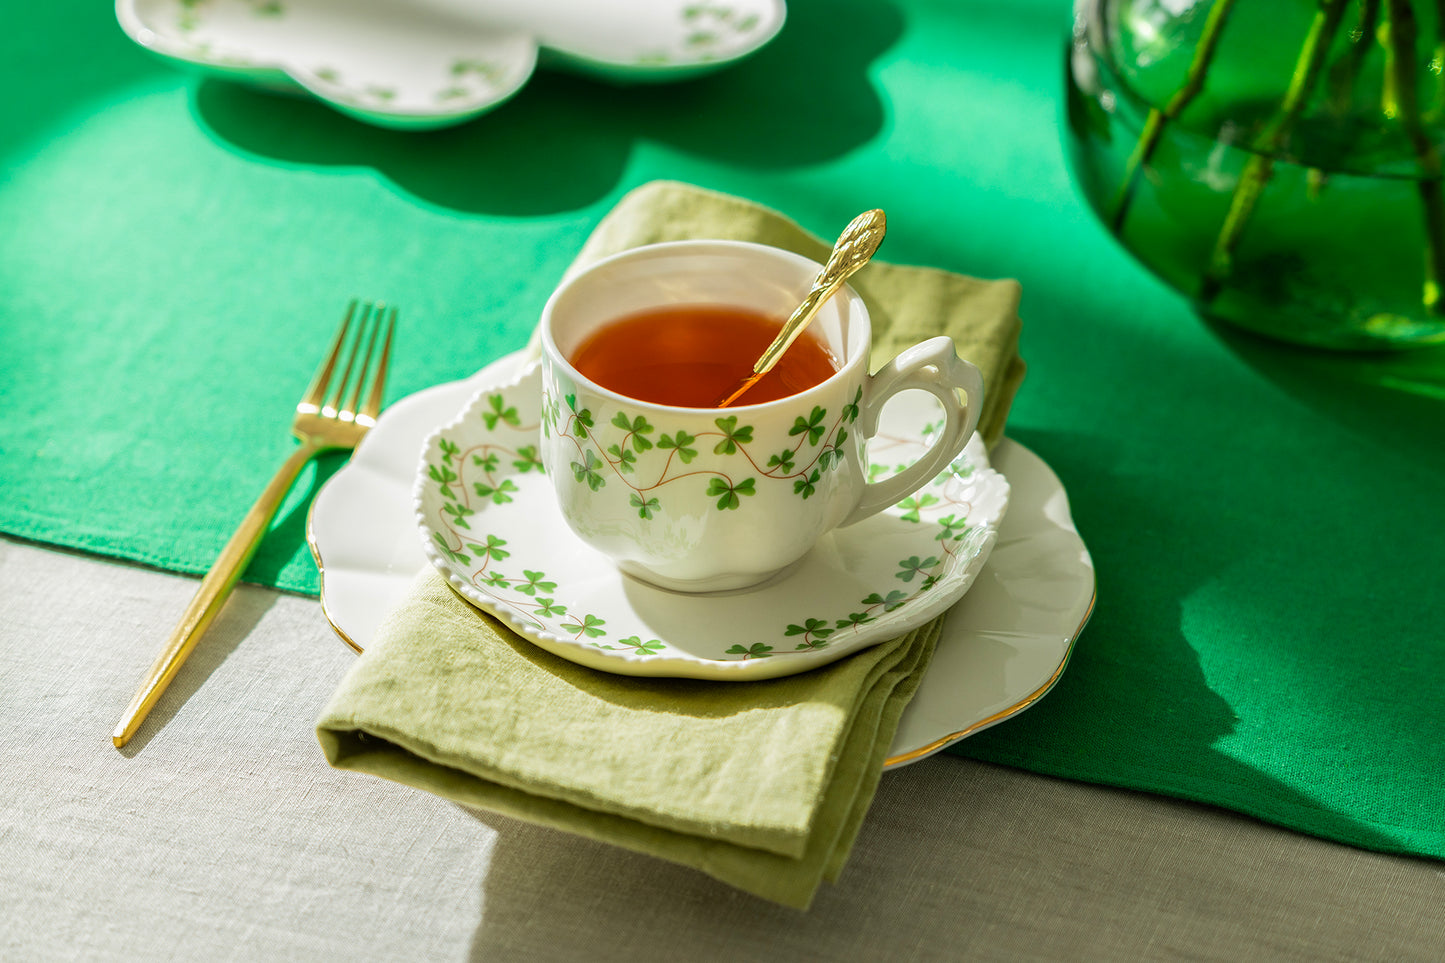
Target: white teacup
703, 499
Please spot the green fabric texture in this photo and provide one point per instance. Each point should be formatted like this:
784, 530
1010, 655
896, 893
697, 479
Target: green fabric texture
1265, 521
762, 785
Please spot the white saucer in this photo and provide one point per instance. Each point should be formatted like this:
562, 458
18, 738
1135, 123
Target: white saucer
1003, 647
429, 63
489, 521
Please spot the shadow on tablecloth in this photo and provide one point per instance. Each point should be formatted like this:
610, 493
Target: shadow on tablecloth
563, 142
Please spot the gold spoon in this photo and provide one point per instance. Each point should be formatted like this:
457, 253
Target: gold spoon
857, 243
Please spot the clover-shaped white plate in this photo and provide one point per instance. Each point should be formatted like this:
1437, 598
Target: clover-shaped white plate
430, 63
489, 521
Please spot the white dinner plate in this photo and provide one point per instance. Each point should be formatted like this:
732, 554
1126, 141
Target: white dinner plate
1003, 646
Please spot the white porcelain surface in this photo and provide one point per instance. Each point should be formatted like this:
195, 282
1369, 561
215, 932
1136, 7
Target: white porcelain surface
1002, 647
702, 499
490, 523
430, 63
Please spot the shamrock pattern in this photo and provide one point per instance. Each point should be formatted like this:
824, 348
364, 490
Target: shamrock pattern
652, 467
482, 467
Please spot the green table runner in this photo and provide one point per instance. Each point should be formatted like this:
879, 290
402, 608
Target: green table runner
1266, 523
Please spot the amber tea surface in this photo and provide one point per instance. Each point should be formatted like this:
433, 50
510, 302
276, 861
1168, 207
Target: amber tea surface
692, 356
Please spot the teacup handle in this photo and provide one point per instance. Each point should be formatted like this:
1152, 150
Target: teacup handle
933, 366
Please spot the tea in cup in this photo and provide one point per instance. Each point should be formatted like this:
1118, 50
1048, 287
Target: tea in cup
638, 349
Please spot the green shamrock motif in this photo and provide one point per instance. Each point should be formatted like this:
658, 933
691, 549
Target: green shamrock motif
783, 461
913, 565
588, 625
551, 411
583, 417
626, 460
501, 411
527, 460
493, 549
549, 607
854, 620
635, 643
806, 486
443, 476
646, 508
449, 450
755, 651
914, 504
889, 602
959, 468
488, 72
637, 430
459, 514
681, 443
813, 631
850, 410
586, 470
876, 472
952, 528
499, 495
487, 463
533, 582
727, 495
495, 580
451, 553
813, 427
733, 436
818, 627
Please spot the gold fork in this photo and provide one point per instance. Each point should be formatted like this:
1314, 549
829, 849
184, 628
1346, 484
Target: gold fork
330, 416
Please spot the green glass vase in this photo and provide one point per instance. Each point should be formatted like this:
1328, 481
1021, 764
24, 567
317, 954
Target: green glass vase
1276, 161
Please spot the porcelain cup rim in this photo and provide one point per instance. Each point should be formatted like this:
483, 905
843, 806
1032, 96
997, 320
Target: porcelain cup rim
853, 366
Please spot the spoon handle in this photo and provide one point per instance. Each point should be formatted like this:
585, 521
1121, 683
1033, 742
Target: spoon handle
791, 329
822, 290
857, 243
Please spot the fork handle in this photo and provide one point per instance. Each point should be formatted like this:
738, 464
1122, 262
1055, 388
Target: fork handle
215, 588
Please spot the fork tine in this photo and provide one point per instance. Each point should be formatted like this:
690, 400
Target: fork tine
378, 380
352, 403
333, 407
317, 391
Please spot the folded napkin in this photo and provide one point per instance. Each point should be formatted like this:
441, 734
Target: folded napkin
762, 785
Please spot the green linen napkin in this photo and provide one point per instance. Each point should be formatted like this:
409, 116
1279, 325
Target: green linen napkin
762, 785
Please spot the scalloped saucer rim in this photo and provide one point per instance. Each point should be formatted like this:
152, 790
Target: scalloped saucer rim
862, 585
1002, 649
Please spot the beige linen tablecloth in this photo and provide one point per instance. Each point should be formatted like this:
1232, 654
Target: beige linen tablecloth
217, 834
